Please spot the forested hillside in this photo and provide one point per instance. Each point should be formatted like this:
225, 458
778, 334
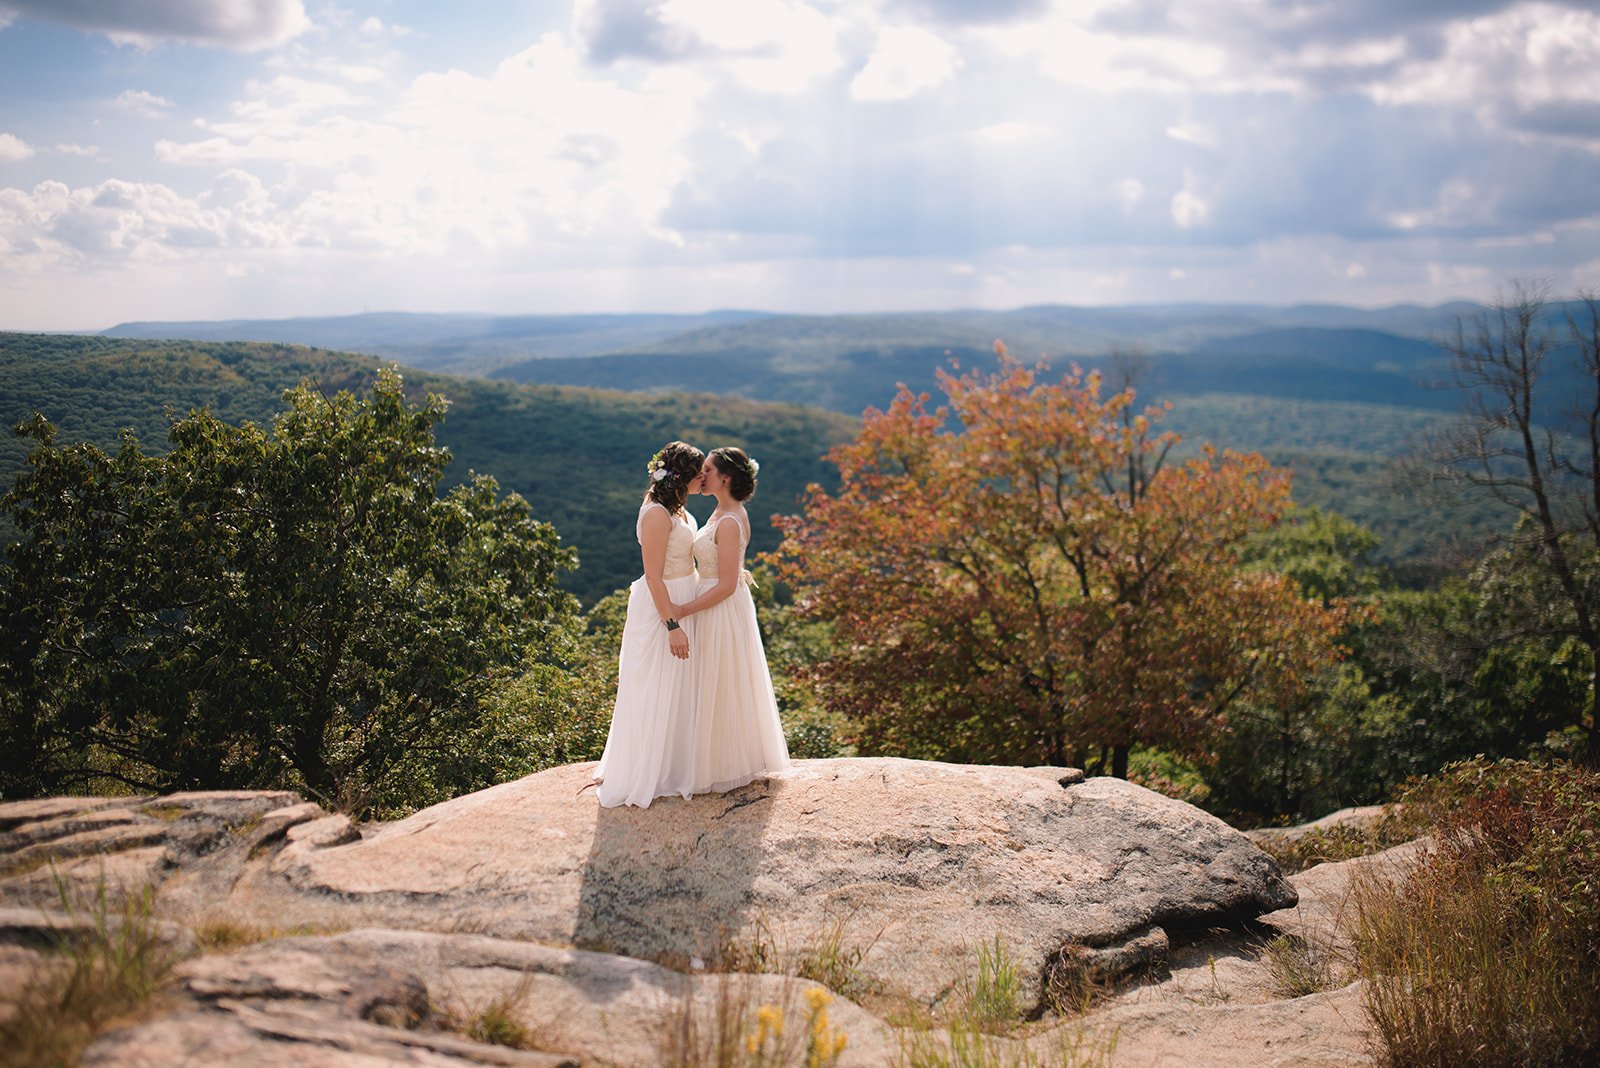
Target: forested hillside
577, 455
848, 371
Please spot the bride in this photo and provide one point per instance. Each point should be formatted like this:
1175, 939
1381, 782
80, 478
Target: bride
650, 750
738, 734
707, 722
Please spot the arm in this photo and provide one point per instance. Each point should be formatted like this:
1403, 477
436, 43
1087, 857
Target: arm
654, 529
730, 562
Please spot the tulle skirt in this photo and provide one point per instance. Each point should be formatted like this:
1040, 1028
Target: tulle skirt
738, 735
650, 750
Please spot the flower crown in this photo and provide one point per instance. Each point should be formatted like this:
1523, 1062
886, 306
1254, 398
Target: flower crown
657, 468
750, 466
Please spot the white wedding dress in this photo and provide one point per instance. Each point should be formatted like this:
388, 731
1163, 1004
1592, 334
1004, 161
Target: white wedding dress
650, 750
737, 732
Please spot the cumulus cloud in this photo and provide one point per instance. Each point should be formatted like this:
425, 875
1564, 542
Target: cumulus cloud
14, 149
142, 102
630, 29
738, 147
1428, 52
968, 11
53, 225
241, 24
778, 46
906, 61
1189, 208
537, 155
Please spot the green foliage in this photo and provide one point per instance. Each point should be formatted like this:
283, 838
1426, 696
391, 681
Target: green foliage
1165, 773
795, 645
1469, 682
292, 605
1338, 745
1326, 555
1420, 688
1484, 954
997, 988
1342, 841
574, 454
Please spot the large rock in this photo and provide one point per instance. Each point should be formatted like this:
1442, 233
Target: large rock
914, 863
376, 996
604, 928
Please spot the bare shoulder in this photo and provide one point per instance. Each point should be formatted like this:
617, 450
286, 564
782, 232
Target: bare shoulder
654, 516
741, 524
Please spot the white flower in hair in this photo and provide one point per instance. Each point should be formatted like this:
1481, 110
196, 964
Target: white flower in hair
660, 474
755, 468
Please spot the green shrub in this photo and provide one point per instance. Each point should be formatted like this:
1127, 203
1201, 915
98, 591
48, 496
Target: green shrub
1486, 953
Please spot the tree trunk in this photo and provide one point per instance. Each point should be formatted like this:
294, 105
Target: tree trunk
310, 760
1119, 760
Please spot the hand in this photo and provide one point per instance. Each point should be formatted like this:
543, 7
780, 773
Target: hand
678, 642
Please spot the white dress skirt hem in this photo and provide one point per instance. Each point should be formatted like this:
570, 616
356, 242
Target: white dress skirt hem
650, 747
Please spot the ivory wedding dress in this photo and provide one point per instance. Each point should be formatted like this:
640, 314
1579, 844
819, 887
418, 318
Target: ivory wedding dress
650, 750
738, 734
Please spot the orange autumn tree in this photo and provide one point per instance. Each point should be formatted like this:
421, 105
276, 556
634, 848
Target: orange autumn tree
1039, 582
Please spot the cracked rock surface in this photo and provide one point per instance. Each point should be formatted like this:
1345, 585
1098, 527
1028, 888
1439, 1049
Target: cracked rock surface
599, 924
924, 860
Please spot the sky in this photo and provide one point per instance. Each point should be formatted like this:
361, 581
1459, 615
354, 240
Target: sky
213, 159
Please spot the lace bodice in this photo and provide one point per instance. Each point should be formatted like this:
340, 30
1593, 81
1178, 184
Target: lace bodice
705, 547
680, 542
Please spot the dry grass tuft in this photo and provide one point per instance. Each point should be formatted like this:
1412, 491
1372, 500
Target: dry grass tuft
1484, 954
104, 973
733, 1029
1300, 967
499, 1022
828, 957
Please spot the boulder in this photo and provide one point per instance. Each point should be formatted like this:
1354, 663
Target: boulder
386, 996
912, 864
602, 931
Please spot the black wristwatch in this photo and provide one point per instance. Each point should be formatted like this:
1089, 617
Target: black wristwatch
672, 624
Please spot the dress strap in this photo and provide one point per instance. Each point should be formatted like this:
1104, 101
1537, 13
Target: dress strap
638, 526
744, 537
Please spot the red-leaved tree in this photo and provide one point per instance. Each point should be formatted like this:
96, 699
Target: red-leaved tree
1042, 580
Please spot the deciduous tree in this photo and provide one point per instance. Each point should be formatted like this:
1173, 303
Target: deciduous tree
1042, 578
1529, 439
283, 605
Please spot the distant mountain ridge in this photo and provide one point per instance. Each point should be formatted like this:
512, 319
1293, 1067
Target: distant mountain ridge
459, 343
1059, 328
847, 363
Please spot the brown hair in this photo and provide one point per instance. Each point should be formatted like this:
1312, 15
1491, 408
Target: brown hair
740, 469
681, 462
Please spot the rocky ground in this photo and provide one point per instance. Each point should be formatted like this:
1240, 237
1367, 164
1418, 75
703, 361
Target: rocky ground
621, 937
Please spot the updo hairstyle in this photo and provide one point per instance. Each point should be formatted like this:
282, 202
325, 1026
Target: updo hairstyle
671, 470
740, 469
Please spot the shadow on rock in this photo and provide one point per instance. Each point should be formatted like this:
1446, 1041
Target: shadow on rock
676, 882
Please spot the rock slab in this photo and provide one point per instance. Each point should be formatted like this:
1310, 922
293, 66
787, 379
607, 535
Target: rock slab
915, 863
